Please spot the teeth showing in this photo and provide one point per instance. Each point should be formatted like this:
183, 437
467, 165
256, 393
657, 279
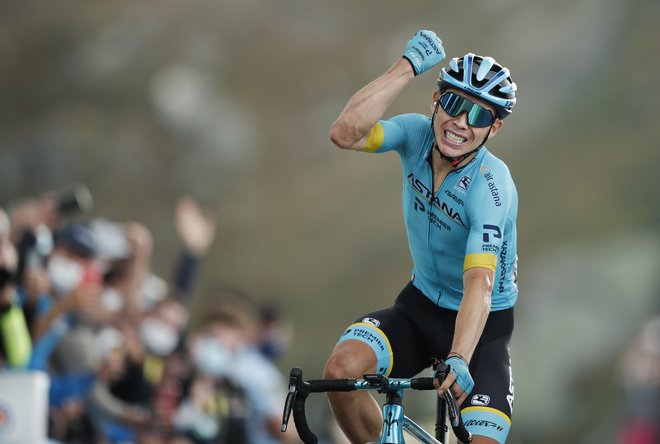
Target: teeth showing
454, 138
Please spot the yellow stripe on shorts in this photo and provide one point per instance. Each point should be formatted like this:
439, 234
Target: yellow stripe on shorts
485, 260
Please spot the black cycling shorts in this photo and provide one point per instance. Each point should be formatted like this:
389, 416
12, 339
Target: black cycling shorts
408, 335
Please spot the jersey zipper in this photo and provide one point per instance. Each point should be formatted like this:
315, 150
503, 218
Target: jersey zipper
434, 193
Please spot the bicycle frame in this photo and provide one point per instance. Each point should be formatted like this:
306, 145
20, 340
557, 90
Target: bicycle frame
395, 422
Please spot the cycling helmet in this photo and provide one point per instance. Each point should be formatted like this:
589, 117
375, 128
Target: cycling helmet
483, 78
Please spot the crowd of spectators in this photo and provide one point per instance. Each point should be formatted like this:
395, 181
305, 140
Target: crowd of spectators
80, 302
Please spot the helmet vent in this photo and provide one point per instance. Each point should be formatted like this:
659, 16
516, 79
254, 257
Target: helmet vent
484, 68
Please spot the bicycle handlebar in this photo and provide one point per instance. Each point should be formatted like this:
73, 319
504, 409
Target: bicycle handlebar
299, 390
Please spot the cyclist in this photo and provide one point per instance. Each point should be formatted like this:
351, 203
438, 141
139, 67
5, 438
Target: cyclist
460, 207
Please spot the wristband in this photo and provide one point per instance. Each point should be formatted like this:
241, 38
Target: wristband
451, 354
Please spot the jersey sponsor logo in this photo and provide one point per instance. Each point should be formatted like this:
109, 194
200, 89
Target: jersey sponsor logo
372, 321
494, 192
434, 201
480, 399
464, 182
453, 215
497, 233
439, 223
490, 248
366, 336
483, 423
455, 198
503, 266
423, 190
419, 205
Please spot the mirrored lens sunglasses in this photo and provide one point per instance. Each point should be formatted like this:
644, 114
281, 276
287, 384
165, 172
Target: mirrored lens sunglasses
477, 115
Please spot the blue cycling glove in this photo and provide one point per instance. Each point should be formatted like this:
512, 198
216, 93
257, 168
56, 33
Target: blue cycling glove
459, 368
424, 51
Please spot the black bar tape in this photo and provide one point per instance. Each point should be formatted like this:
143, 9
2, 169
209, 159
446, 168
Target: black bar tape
422, 384
301, 422
331, 385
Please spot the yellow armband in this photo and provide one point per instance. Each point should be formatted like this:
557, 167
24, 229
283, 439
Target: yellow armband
376, 137
484, 260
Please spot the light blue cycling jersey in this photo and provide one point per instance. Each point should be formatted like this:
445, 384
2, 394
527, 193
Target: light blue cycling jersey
470, 222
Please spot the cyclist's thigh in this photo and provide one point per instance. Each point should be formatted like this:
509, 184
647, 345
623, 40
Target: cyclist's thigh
487, 410
394, 340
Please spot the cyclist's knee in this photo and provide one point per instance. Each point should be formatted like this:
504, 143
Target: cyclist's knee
350, 359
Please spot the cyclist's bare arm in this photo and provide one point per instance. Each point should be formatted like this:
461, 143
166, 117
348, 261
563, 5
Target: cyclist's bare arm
352, 128
471, 318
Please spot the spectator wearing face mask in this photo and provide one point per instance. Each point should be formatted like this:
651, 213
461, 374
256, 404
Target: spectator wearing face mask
117, 416
33, 221
59, 348
153, 377
215, 408
155, 339
231, 371
73, 287
116, 419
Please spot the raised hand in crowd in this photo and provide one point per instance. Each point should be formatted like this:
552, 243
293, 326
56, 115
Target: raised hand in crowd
196, 226
140, 242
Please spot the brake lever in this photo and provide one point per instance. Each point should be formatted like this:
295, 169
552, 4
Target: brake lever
452, 409
294, 379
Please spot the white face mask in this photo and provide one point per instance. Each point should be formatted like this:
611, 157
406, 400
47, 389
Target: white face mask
159, 337
65, 274
213, 358
112, 299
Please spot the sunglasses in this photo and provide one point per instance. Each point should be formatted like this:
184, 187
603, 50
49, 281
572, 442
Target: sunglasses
477, 115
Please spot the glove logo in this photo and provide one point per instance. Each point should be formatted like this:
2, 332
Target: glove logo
424, 51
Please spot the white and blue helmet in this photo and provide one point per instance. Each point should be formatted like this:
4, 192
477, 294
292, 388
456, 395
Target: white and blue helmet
483, 78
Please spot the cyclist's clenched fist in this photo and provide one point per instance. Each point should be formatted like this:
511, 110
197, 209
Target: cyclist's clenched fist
424, 51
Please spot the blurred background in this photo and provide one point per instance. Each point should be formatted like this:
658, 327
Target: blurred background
231, 102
